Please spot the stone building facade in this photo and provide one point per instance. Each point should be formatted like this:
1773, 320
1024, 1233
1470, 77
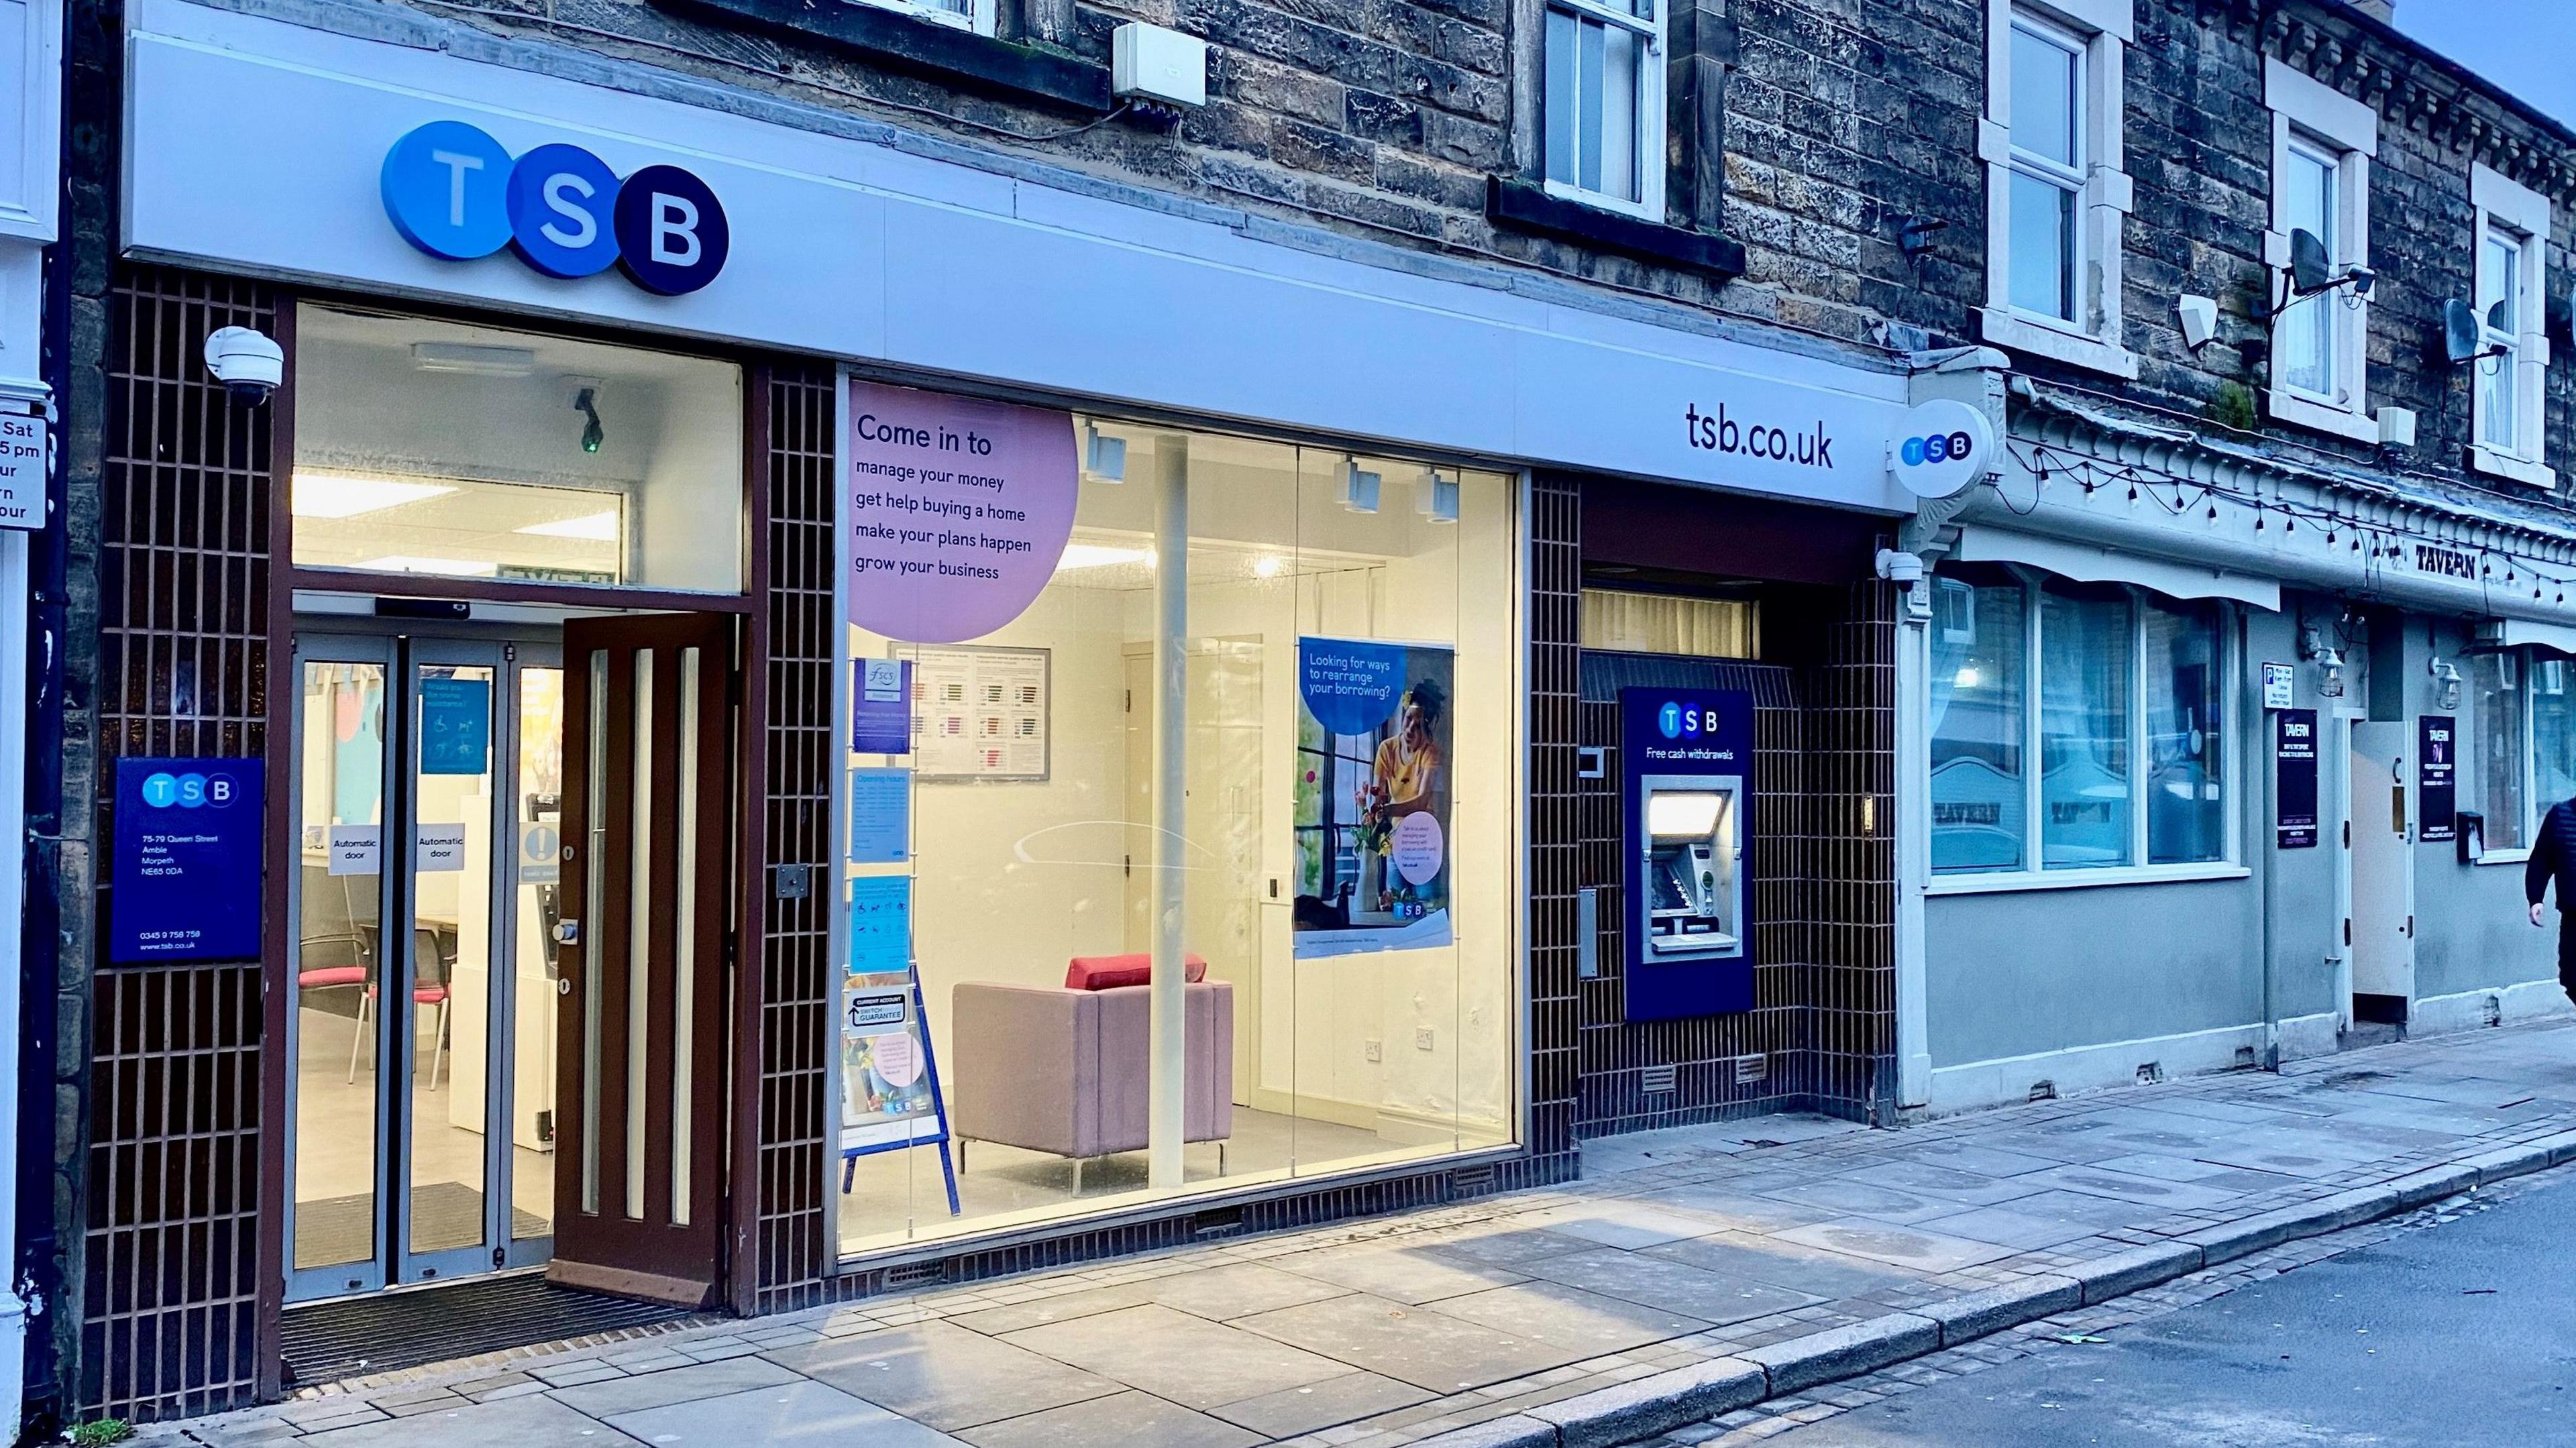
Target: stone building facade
1817, 215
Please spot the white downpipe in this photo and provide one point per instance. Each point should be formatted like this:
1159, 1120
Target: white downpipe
1913, 849
13, 840
1168, 1079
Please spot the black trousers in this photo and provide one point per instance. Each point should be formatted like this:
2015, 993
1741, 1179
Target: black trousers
2567, 953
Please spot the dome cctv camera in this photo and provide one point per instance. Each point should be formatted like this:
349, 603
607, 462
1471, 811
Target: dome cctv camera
246, 362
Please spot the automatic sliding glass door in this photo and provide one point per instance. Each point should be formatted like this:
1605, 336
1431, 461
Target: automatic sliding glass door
427, 770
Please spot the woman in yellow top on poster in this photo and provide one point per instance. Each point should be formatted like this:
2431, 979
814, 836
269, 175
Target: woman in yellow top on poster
1409, 775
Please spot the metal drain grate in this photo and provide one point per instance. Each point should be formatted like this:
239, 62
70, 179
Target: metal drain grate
386, 1332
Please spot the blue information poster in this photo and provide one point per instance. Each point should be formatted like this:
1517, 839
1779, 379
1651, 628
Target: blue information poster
187, 860
455, 725
880, 816
881, 707
880, 924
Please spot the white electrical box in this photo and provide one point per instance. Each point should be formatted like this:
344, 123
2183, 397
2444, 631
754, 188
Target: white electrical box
1151, 63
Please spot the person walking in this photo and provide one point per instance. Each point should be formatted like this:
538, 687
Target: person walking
2553, 858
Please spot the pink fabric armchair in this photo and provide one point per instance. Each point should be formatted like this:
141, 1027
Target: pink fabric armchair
1065, 1071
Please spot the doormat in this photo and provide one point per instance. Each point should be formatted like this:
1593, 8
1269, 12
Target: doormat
445, 1215
387, 1331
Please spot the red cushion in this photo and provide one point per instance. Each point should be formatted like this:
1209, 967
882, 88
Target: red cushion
1109, 972
331, 975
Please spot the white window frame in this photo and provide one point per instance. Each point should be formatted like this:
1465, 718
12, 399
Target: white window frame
981, 21
2033, 873
2513, 212
2102, 29
2524, 750
1649, 205
2310, 114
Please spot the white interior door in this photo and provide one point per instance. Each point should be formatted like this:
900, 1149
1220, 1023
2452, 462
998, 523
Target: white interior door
2383, 860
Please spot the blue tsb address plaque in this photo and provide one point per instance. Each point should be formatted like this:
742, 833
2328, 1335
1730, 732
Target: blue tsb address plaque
188, 841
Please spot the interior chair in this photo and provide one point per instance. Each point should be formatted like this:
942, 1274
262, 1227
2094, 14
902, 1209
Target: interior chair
433, 965
332, 951
1065, 1070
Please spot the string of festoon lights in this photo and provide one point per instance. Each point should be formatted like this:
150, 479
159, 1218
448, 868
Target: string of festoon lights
2182, 497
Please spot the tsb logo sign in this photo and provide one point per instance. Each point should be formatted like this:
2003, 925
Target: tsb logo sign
1938, 448
164, 790
1944, 448
1677, 721
453, 192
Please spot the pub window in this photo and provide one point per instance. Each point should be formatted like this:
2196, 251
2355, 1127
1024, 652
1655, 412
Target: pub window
2075, 726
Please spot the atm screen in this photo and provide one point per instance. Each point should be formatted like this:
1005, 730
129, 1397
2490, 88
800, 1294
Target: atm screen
1692, 850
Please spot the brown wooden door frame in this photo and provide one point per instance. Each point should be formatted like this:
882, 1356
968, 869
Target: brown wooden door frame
607, 1237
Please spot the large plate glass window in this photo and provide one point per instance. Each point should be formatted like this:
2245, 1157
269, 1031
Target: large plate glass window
1213, 583
1604, 111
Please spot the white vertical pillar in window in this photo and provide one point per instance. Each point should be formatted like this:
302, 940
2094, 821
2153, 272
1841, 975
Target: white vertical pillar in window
1165, 1082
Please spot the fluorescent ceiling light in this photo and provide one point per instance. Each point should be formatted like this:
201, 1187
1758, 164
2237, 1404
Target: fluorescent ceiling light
600, 527
447, 567
467, 357
1100, 555
330, 495
1268, 565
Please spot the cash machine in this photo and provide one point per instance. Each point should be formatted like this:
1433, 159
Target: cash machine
1687, 797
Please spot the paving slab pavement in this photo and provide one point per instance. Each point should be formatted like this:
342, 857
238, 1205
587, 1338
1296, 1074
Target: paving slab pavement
1690, 1271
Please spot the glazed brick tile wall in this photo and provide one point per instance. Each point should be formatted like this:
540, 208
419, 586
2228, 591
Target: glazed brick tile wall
1823, 887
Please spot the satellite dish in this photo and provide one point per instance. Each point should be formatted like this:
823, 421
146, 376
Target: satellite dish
2460, 334
2500, 317
2310, 268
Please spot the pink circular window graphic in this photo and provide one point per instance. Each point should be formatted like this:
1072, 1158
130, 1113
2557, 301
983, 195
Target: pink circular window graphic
958, 511
1419, 850
895, 1060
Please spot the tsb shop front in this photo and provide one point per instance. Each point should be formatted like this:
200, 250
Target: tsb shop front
787, 769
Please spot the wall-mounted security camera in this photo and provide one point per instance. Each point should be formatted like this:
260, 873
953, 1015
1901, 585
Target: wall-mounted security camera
1902, 569
2199, 321
247, 362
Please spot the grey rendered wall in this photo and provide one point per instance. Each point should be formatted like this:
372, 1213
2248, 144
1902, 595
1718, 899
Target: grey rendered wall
2021, 972
2304, 920
2470, 930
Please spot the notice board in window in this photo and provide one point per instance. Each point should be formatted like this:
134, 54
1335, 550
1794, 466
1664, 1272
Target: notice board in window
980, 713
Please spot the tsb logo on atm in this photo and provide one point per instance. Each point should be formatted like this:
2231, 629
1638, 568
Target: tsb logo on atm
453, 192
1680, 721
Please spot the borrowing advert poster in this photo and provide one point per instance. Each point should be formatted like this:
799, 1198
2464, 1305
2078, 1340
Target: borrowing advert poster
1372, 817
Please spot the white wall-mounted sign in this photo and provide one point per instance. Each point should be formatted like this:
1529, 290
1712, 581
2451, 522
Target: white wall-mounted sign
24, 439
2280, 686
1941, 449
